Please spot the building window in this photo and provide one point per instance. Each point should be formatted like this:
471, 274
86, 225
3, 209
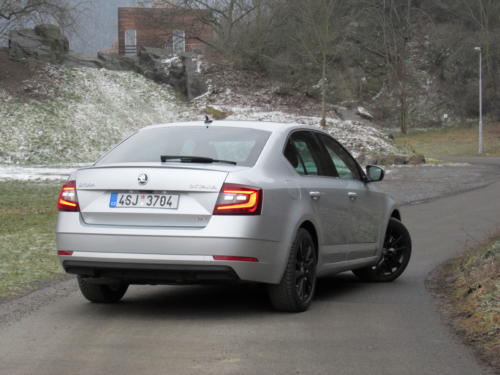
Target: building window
130, 42
179, 41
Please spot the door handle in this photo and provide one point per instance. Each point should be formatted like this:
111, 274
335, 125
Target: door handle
352, 195
315, 195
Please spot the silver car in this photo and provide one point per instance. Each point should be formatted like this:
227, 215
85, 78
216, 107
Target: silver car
228, 201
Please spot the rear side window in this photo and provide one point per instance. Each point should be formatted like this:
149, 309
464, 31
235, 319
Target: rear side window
300, 152
240, 145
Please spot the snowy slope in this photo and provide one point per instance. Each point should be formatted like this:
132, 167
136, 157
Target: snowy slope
356, 137
73, 115
70, 116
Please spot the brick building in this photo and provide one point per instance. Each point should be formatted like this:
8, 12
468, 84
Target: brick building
177, 30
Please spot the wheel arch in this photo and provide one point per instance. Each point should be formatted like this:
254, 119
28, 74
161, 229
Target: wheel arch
393, 211
309, 226
396, 214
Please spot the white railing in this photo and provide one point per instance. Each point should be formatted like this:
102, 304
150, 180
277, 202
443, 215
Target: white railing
132, 49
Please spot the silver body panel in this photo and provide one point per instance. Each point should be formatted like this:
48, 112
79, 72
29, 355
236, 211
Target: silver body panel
349, 231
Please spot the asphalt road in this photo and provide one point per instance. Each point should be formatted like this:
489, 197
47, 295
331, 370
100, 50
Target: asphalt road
351, 328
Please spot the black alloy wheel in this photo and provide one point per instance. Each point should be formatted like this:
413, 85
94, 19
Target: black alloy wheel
305, 266
396, 253
296, 290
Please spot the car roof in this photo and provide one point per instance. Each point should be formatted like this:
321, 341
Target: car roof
275, 127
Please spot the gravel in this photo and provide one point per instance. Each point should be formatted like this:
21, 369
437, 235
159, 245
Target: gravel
415, 184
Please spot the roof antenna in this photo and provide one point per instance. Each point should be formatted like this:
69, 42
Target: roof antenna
207, 121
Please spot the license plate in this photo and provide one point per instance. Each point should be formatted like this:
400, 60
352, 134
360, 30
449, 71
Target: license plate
140, 200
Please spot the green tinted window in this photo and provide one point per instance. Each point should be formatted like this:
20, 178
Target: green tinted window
307, 165
300, 152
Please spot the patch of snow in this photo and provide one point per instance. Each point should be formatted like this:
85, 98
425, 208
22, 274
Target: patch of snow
174, 61
33, 173
355, 136
77, 114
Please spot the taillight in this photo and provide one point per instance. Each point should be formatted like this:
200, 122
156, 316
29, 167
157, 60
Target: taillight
238, 200
64, 252
68, 200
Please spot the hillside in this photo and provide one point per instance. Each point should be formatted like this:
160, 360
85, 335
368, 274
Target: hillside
60, 115
73, 115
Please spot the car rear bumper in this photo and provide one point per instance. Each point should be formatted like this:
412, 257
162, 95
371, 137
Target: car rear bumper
177, 269
97, 248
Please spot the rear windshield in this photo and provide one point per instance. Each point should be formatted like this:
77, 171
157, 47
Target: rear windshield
240, 145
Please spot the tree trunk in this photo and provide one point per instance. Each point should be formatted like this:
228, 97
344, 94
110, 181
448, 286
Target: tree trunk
323, 91
403, 113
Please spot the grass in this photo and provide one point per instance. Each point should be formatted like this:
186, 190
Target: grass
27, 239
470, 288
456, 141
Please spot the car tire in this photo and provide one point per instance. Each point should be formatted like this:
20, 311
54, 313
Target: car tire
396, 253
101, 293
296, 290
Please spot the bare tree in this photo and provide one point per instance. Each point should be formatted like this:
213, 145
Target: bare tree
463, 25
14, 13
392, 26
319, 26
222, 16
485, 18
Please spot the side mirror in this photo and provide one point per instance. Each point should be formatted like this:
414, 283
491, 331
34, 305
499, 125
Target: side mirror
374, 173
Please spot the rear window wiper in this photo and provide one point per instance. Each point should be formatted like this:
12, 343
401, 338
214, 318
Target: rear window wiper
194, 159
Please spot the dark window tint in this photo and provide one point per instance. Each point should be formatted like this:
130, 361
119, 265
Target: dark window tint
345, 166
240, 145
300, 152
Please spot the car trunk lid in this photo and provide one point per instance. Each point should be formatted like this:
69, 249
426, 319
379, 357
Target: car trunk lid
193, 192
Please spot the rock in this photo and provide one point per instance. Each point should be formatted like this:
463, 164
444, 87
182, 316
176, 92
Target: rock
396, 160
178, 71
416, 159
53, 36
44, 42
149, 55
26, 44
362, 112
339, 111
155, 66
393, 159
347, 112
195, 84
114, 61
215, 113
74, 59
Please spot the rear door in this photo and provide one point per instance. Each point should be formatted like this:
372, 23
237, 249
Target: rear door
328, 201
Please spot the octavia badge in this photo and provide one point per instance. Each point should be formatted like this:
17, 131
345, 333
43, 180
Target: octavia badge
143, 179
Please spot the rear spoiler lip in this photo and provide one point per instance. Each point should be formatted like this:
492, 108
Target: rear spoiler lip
172, 165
